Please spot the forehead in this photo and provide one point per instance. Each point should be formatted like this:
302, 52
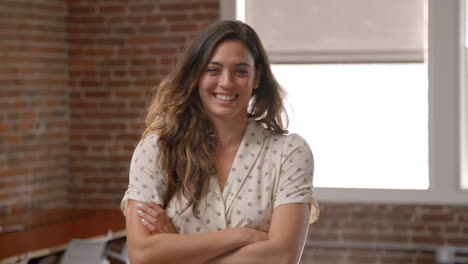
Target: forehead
232, 51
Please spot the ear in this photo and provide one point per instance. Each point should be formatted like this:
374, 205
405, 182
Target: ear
258, 76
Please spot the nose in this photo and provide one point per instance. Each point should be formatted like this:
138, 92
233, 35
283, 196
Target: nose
226, 80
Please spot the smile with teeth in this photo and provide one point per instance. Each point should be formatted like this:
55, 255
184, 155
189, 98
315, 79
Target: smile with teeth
225, 97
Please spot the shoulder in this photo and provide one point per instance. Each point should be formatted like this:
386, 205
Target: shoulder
147, 146
291, 141
148, 140
291, 147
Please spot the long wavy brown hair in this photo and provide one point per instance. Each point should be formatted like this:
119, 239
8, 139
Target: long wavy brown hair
186, 136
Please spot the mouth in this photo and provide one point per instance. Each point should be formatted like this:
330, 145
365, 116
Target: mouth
226, 97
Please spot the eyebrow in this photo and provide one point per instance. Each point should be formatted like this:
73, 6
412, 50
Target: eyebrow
238, 64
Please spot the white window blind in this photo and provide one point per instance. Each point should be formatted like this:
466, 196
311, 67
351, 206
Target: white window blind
336, 31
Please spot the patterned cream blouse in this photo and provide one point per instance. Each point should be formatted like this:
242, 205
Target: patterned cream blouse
268, 171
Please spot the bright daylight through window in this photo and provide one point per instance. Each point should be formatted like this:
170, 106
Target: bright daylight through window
367, 123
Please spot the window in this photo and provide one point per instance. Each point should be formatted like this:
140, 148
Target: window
366, 123
364, 112
445, 116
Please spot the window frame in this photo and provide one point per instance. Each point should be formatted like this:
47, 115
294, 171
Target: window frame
448, 114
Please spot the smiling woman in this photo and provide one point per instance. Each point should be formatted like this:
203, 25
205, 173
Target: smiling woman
215, 177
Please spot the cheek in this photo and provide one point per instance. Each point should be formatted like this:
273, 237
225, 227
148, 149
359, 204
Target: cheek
206, 84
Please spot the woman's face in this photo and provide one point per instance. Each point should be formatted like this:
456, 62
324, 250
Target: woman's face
228, 81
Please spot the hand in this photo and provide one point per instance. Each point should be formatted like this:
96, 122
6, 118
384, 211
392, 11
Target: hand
253, 235
154, 218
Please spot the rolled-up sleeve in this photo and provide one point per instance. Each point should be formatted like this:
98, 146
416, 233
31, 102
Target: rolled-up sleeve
145, 177
296, 175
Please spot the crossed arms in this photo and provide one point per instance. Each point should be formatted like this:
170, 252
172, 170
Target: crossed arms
283, 243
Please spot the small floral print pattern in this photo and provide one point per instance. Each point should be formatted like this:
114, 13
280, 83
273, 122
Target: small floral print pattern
269, 170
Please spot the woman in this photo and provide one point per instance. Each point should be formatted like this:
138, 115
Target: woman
215, 178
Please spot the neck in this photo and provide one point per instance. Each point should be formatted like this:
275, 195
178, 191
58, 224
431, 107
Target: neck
229, 133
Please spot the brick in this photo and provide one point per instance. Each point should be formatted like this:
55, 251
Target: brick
82, 40
135, 19
128, 94
116, 20
183, 27
205, 16
175, 7
83, 105
210, 5
143, 62
177, 18
100, 52
441, 217
152, 19
142, 40
142, 8
334, 214
434, 228
359, 237
463, 218
12, 172
117, 42
79, 62
82, 10
90, 84
452, 228
23, 127
113, 105
97, 94
79, 147
131, 52
323, 236
152, 29
98, 148
82, 169
118, 84
125, 30
98, 115
419, 239
163, 50
458, 241
106, 74
363, 259
4, 128
393, 238
112, 9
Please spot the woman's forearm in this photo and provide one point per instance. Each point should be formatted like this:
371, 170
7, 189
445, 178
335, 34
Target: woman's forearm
182, 248
287, 235
262, 252
185, 248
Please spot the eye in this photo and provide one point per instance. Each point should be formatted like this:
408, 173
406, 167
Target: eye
212, 70
242, 72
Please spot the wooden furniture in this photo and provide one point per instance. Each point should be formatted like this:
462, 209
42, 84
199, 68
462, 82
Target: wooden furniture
47, 232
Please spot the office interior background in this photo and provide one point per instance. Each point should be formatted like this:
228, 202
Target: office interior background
76, 77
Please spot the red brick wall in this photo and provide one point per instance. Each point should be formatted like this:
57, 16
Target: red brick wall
75, 78
34, 116
345, 226
117, 50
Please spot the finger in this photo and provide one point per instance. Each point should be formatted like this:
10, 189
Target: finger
162, 229
165, 225
169, 228
156, 207
142, 206
152, 220
148, 225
